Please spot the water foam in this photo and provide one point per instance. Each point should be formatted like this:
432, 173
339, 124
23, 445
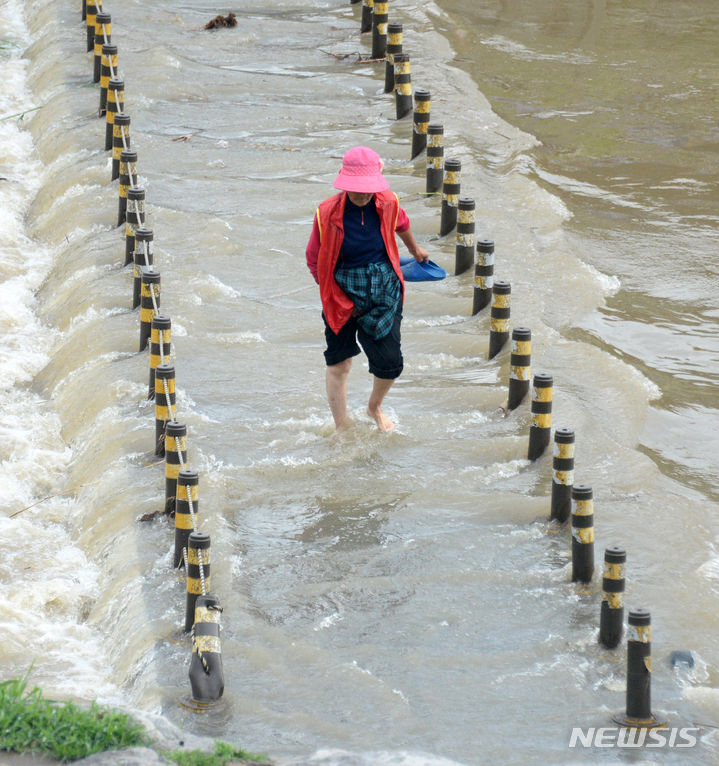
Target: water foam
50, 583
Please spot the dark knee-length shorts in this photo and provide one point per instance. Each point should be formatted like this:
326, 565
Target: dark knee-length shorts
384, 355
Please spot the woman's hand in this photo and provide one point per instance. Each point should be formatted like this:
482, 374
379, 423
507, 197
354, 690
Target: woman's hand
420, 255
416, 250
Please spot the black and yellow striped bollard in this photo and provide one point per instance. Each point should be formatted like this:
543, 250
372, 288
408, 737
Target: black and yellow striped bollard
198, 573
164, 403
394, 45
611, 618
108, 67
422, 102
541, 425
483, 275
435, 157
464, 242
128, 174
91, 9
103, 29
450, 195
380, 15
582, 533
562, 474
402, 85
149, 303
142, 258
175, 459
206, 673
366, 21
638, 714
520, 366
114, 104
120, 141
499, 317
134, 218
187, 511
160, 348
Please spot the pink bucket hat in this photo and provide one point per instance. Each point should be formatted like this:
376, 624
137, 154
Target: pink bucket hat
361, 172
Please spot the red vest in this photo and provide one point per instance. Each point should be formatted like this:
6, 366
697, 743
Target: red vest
337, 307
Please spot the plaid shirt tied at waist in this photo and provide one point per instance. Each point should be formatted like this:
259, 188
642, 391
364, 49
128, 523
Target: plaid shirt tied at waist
375, 291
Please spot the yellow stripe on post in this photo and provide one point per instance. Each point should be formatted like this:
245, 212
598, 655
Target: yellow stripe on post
208, 643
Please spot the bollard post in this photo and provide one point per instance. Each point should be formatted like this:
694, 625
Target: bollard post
103, 29
160, 348
394, 45
435, 157
380, 15
638, 713
206, 673
175, 459
90, 17
142, 258
464, 243
149, 303
483, 275
562, 474
127, 176
198, 573
422, 100
519, 366
402, 85
499, 317
115, 103
582, 533
366, 21
108, 66
164, 403
120, 141
541, 426
134, 218
187, 510
611, 619
450, 196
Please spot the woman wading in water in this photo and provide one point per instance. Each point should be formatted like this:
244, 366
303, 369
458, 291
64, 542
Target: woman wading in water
353, 256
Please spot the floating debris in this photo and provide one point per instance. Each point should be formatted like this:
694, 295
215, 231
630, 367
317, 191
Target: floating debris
222, 21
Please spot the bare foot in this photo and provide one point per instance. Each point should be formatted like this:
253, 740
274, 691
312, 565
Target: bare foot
344, 425
383, 422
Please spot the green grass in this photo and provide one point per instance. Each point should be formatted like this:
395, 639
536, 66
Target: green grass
223, 754
30, 723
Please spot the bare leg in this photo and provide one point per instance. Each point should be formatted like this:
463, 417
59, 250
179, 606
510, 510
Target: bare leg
379, 390
336, 385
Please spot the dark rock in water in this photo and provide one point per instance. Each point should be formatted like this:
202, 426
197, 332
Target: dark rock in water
682, 658
222, 21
